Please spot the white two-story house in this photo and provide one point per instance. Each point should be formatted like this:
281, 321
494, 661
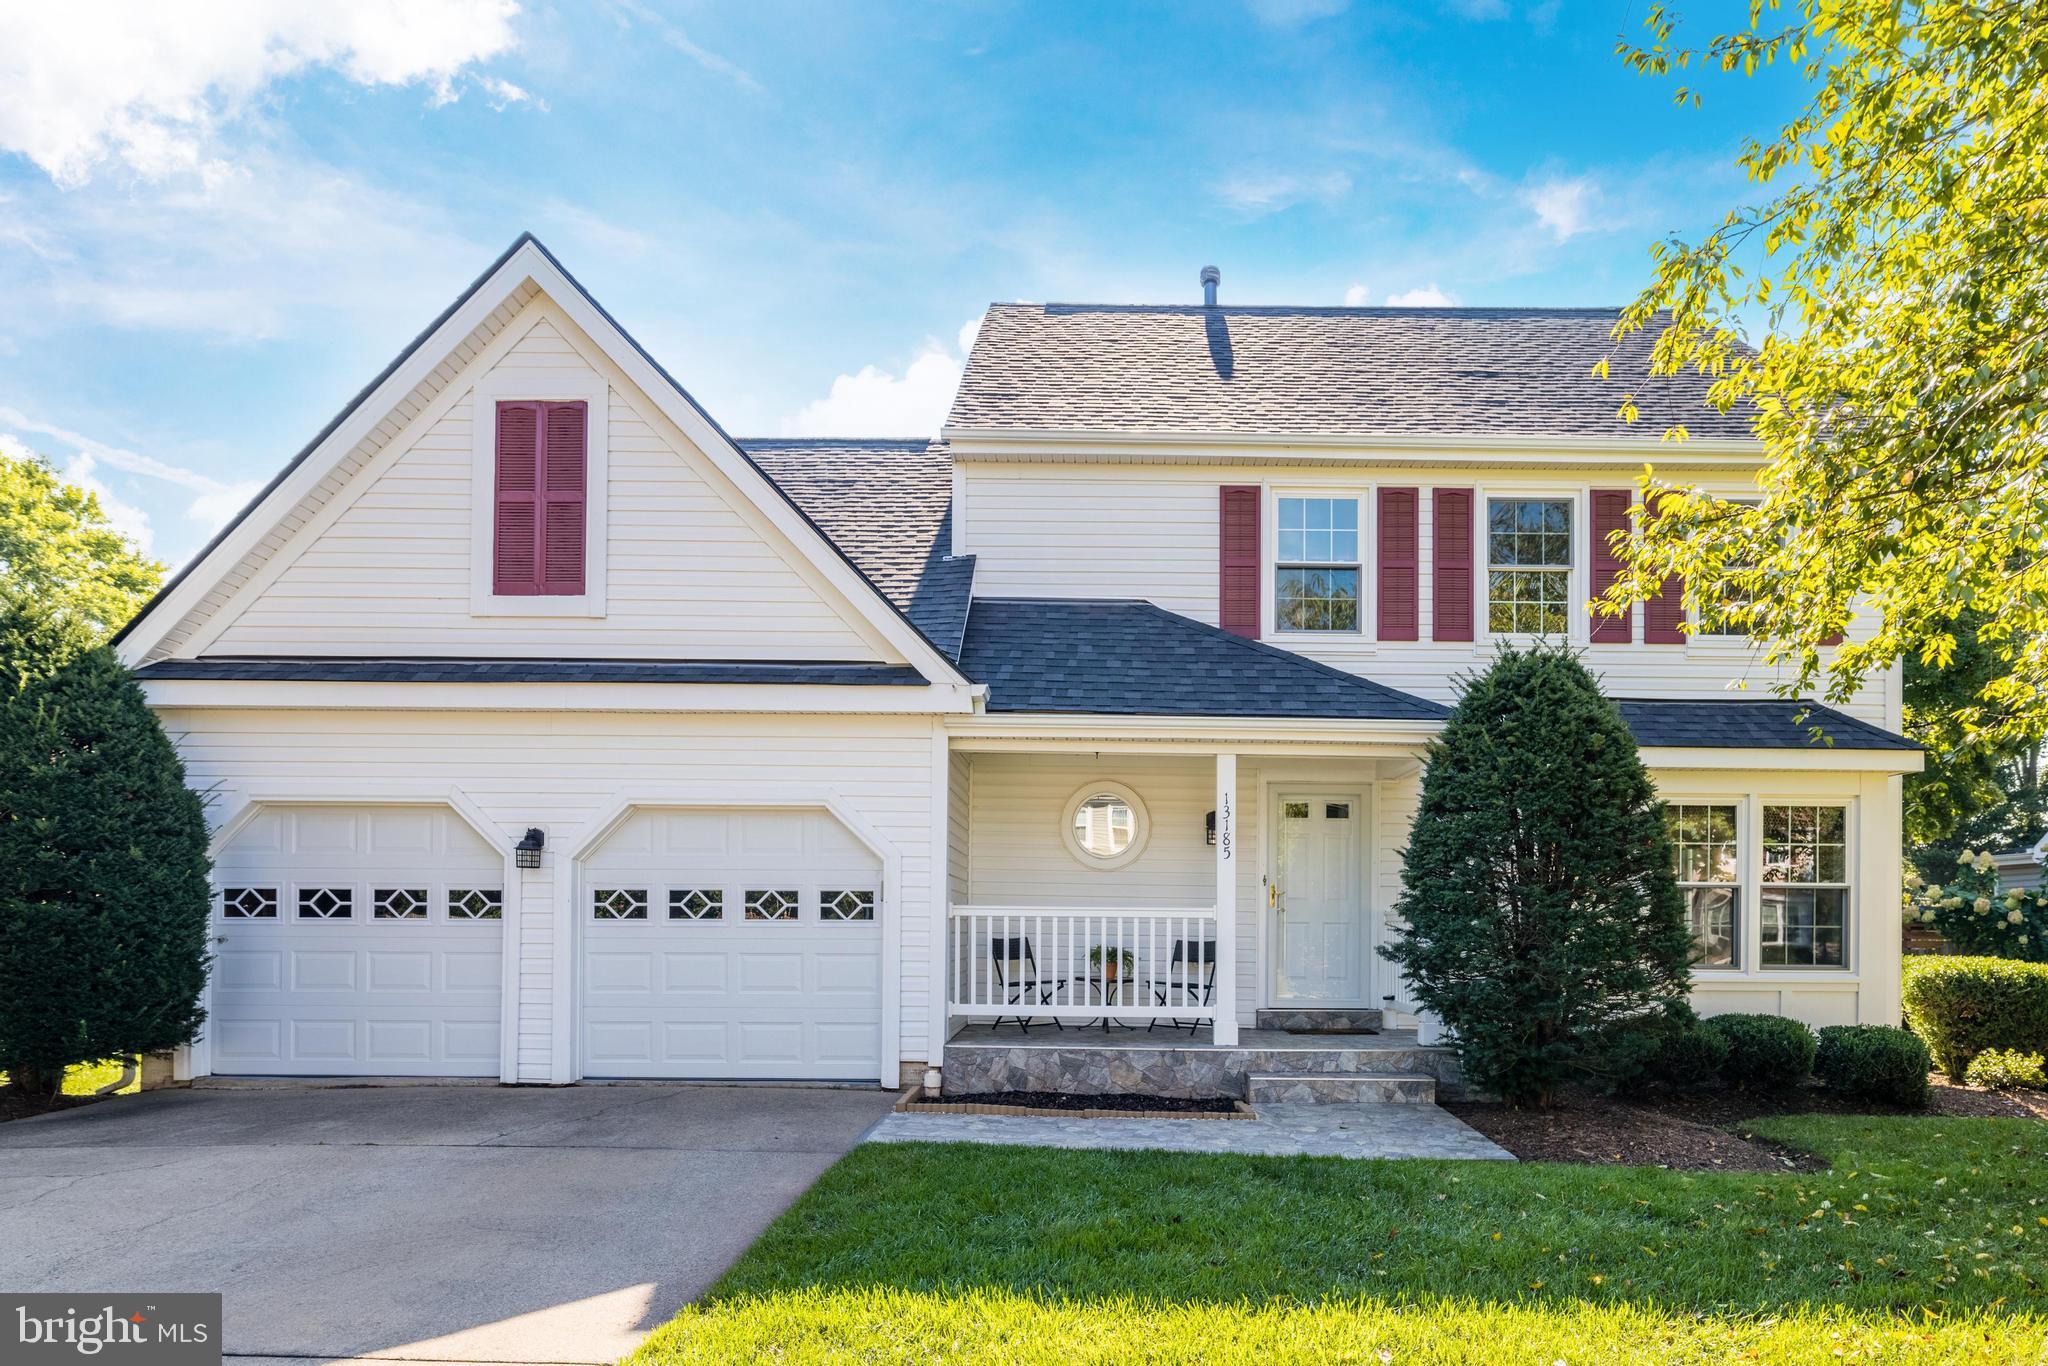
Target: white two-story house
552, 733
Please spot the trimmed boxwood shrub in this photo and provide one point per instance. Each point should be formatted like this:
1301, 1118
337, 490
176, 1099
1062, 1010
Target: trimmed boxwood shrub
1874, 1062
2006, 1069
1693, 1056
1765, 1052
1669, 1048
1964, 1006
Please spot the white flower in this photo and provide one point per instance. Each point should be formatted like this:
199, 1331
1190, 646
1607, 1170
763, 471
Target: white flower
1912, 879
2013, 917
1969, 855
1927, 915
1986, 863
1935, 890
1983, 904
1954, 903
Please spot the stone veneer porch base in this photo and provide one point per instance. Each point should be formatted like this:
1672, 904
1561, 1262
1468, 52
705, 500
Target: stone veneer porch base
1095, 1061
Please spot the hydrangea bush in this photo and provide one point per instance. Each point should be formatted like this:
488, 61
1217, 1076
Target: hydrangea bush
1974, 915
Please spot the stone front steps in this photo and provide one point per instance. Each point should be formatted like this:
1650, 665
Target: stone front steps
1096, 1061
1303, 1020
1355, 1088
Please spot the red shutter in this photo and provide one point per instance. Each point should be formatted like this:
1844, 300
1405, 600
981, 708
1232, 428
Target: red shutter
1451, 564
1610, 515
562, 468
515, 541
1398, 565
1238, 560
1664, 615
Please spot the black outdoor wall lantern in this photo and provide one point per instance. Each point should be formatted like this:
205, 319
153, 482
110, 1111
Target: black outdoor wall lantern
526, 853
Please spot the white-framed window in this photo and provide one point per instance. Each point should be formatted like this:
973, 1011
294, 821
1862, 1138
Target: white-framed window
772, 903
696, 903
1105, 825
539, 385
618, 903
1712, 619
1318, 574
326, 903
476, 903
1528, 564
1803, 907
1706, 851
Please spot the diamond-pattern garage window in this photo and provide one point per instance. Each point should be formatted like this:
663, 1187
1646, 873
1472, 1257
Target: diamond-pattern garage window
771, 905
619, 903
248, 903
398, 903
327, 903
847, 905
476, 903
696, 903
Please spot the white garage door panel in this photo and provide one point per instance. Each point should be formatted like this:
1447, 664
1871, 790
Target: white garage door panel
708, 992
357, 994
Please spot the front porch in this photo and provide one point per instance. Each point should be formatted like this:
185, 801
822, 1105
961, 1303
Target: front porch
1169, 889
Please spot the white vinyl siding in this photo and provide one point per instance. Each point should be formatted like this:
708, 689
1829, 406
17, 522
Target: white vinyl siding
1121, 530
688, 573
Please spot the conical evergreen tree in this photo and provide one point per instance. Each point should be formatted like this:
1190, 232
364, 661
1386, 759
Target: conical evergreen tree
1540, 905
103, 864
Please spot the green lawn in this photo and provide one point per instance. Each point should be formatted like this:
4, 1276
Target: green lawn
88, 1077
1926, 1240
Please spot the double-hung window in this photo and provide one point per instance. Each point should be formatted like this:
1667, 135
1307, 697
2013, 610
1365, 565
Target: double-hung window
1708, 862
1316, 568
1723, 610
1528, 565
1804, 908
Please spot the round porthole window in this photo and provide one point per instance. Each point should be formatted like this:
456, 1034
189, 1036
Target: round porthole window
1105, 825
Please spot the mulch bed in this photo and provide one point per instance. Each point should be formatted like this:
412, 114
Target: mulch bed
13, 1105
1701, 1131
1078, 1104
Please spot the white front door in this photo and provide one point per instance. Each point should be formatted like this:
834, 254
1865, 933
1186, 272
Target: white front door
1318, 902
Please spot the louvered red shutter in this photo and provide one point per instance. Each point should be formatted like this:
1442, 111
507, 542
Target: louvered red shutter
563, 468
1610, 515
1451, 564
515, 538
1664, 615
1399, 558
1238, 560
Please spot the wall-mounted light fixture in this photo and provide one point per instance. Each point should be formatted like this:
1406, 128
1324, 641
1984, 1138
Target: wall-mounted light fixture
1210, 821
526, 853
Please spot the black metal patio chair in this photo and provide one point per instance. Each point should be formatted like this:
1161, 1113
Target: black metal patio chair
1017, 977
1191, 973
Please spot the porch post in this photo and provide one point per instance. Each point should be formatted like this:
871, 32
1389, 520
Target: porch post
1226, 899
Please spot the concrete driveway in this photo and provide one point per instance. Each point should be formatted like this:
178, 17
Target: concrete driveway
427, 1223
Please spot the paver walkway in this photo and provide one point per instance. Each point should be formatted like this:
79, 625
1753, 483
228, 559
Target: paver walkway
1361, 1131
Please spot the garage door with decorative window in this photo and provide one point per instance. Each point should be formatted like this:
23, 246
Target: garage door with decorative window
731, 943
357, 941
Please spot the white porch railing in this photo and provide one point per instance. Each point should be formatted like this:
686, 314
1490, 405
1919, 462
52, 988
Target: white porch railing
1127, 964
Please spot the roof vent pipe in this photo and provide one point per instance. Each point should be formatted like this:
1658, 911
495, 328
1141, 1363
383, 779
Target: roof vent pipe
1211, 277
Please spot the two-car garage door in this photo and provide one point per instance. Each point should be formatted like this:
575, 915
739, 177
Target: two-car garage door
716, 943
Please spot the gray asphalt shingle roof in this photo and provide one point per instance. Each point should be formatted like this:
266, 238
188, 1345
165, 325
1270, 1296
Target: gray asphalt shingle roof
1129, 658
349, 669
1361, 372
888, 505
1750, 723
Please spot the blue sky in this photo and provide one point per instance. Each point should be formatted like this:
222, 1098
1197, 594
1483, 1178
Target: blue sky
218, 220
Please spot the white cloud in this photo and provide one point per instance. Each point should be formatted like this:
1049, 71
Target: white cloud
126, 518
1564, 206
1264, 192
1357, 296
633, 11
1295, 13
148, 86
503, 94
214, 502
969, 330
1427, 296
877, 403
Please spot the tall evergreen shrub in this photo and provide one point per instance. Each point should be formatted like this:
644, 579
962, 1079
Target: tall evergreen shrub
103, 863
1540, 906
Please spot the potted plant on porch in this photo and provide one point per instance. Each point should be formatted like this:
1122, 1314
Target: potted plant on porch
1111, 966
